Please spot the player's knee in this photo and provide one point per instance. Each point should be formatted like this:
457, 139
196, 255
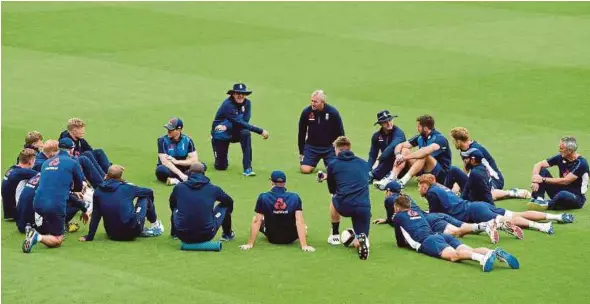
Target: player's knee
244, 133
305, 169
544, 172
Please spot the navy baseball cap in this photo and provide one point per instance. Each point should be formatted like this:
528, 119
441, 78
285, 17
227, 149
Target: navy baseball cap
384, 116
278, 176
66, 143
473, 152
239, 88
393, 186
174, 123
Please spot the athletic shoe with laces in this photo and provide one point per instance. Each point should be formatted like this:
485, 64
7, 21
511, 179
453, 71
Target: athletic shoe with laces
512, 229
363, 246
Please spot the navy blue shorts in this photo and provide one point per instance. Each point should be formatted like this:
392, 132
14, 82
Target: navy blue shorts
53, 224
435, 244
203, 235
478, 212
360, 216
312, 155
439, 221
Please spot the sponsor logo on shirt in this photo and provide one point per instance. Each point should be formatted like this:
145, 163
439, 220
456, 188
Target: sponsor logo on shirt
280, 207
311, 116
53, 165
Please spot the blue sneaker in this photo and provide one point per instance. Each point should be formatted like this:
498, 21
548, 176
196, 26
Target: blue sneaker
227, 238
538, 205
249, 172
567, 218
507, 258
31, 236
488, 262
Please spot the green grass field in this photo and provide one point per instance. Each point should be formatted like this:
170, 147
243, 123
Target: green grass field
517, 75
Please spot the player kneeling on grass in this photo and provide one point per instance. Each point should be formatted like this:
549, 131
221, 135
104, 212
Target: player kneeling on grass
113, 201
412, 230
195, 218
279, 216
348, 182
59, 175
443, 200
439, 222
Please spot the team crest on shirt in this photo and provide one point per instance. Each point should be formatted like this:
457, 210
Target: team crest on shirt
311, 116
280, 207
413, 214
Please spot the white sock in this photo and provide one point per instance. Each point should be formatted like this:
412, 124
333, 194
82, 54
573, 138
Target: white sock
39, 237
535, 225
477, 257
553, 217
479, 227
405, 179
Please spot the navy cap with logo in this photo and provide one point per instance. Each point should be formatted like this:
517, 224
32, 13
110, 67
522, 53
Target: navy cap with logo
174, 123
278, 176
384, 116
393, 186
239, 88
66, 143
473, 152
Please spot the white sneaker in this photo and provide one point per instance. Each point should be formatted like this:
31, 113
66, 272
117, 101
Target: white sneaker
172, 181
334, 239
492, 232
381, 184
519, 193
157, 225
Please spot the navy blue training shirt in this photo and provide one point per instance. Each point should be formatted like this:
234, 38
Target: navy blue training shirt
578, 167
238, 114
443, 155
319, 128
278, 207
385, 143
348, 180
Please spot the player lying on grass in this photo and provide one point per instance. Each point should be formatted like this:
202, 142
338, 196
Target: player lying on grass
176, 152
568, 191
59, 175
443, 200
113, 202
195, 218
464, 143
439, 222
348, 182
319, 125
433, 156
279, 216
383, 143
412, 230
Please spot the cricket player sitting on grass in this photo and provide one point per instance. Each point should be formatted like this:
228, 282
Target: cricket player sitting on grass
195, 218
16, 174
385, 140
412, 230
439, 222
568, 191
464, 143
176, 152
76, 131
33, 140
348, 182
279, 216
59, 175
319, 125
113, 201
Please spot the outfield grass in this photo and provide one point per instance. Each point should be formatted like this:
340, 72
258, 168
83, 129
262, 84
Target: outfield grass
515, 74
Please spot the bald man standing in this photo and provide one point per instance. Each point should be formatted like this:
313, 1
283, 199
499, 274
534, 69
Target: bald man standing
113, 200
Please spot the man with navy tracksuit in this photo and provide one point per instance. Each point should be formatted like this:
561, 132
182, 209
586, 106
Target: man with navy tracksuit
348, 182
279, 216
231, 125
568, 191
25, 211
478, 187
384, 141
59, 175
319, 125
123, 221
195, 218
13, 177
76, 131
176, 152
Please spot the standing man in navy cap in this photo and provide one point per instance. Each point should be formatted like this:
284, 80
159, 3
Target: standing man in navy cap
385, 140
319, 126
176, 152
59, 175
231, 125
279, 216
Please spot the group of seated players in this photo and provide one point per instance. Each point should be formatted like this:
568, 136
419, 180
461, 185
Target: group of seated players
56, 179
